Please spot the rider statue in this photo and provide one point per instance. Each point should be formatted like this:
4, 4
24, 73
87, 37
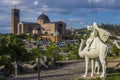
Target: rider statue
96, 32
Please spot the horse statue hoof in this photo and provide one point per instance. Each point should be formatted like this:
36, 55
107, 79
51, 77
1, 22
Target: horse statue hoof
102, 76
91, 75
84, 75
98, 73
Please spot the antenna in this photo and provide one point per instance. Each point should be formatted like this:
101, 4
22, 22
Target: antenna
43, 12
15, 6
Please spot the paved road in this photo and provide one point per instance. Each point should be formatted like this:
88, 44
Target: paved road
70, 71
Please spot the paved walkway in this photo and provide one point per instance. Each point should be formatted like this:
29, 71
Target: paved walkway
70, 71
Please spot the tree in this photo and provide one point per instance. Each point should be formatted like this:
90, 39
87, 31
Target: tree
35, 53
3, 45
114, 50
16, 47
4, 52
52, 51
72, 50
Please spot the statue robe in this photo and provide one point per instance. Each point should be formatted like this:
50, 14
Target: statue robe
102, 34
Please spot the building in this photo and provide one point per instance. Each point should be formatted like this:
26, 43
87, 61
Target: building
15, 18
26, 27
47, 30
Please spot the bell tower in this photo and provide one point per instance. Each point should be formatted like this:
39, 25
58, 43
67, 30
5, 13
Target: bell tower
15, 18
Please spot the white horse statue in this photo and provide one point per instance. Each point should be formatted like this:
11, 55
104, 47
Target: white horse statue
116, 43
95, 49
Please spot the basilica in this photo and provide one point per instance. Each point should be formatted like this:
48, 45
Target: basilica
47, 30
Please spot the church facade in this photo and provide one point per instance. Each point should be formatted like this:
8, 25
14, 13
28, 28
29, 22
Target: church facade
47, 30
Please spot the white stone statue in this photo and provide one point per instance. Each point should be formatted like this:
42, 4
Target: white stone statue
116, 43
97, 66
94, 49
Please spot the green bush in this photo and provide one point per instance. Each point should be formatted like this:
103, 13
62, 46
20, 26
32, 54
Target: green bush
5, 59
113, 76
119, 53
61, 58
73, 57
114, 49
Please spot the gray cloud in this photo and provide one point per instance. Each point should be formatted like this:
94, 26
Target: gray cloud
61, 7
73, 4
31, 9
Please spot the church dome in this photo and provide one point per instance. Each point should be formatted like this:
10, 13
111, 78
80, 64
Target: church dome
44, 18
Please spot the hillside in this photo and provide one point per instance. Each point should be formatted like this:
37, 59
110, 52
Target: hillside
113, 29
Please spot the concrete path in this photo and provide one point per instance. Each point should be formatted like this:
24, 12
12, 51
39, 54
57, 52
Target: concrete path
69, 71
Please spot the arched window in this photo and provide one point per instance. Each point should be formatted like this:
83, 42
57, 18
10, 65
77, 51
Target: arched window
59, 28
20, 29
46, 33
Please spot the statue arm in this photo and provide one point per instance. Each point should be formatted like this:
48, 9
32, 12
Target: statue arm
118, 46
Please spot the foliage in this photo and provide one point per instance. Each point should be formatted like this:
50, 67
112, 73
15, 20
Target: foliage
72, 55
28, 38
22, 36
4, 59
12, 46
72, 51
35, 53
114, 49
119, 53
3, 45
62, 57
80, 79
52, 51
89, 79
16, 47
113, 76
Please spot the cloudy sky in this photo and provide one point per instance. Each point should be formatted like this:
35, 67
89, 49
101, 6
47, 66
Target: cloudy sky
76, 13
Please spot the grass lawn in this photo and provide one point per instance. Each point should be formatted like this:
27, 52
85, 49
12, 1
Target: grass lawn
112, 76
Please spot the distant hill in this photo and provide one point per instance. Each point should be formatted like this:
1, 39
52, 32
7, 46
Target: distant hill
113, 29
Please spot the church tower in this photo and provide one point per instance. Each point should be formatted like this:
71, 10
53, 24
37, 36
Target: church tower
15, 19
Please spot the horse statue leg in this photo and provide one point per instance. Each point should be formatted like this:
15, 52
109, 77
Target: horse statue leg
97, 67
92, 67
86, 66
103, 62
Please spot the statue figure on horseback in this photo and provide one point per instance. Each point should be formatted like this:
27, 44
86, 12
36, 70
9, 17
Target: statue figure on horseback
96, 32
94, 48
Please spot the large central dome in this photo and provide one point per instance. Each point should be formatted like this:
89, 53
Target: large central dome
44, 18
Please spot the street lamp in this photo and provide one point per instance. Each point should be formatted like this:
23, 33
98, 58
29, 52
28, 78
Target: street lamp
38, 46
38, 67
